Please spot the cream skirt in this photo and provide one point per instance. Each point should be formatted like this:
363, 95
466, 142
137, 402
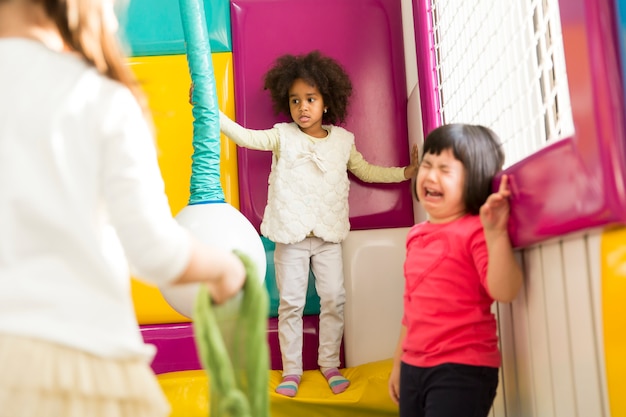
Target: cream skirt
42, 379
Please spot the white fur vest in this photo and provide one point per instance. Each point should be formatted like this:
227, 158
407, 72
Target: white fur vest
308, 186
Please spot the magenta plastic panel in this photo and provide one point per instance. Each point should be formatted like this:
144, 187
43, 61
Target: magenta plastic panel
366, 37
176, 347
310, 344
578, 182
426, 66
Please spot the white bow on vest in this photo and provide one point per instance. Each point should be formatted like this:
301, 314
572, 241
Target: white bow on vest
305, 157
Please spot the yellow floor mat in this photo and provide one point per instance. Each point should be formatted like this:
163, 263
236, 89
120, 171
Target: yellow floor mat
367, 396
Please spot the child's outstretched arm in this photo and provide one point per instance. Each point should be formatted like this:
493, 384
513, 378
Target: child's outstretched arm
504, 275
262, 140
375, 173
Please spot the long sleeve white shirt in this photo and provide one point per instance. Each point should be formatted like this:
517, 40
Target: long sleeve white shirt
308, 183
81, 199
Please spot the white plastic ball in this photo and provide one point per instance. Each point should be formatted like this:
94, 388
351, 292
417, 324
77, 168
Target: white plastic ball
217, 224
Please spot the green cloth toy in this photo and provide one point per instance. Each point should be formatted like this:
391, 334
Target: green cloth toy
232, 344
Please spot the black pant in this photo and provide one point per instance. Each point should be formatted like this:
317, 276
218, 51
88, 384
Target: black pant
447, 390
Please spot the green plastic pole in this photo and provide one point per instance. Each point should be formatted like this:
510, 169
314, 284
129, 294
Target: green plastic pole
205, 186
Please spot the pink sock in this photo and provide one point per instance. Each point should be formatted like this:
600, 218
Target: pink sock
337, 382
289, 385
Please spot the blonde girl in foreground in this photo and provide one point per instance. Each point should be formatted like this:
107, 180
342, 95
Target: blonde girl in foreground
82, 198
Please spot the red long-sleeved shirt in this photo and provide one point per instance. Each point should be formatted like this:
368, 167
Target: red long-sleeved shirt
447, 307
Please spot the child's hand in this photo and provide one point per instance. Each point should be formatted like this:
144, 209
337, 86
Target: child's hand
411, 170
494, 214
394, 384
191, 94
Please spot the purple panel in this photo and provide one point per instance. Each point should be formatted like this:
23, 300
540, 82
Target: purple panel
426, 66
553, 199
365, 36
310, 343
176, 347
578, 183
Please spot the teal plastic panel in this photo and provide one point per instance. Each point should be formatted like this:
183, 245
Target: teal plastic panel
153, 27
312, 305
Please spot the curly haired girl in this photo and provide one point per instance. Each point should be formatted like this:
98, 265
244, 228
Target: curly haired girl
307, 206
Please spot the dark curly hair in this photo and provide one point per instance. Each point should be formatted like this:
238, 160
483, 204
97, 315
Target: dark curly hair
318, 70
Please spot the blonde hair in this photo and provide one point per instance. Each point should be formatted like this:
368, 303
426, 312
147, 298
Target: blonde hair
83, 27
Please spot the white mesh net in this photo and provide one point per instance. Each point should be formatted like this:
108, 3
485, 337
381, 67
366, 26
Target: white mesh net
501, 64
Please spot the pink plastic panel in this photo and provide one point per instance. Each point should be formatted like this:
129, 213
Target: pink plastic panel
426, 65
176, 346
310, 343
366, 37
579, 182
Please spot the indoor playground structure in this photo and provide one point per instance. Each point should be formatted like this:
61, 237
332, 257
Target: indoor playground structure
548, 76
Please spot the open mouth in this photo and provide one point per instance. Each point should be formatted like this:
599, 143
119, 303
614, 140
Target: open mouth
429, 192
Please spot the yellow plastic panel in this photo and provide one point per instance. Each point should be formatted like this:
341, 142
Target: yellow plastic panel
614, 312
166, 81
367, 395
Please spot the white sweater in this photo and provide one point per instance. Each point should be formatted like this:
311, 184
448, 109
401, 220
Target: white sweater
81, 197
308, 183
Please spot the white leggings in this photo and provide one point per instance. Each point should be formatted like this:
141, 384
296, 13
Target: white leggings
292, 263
